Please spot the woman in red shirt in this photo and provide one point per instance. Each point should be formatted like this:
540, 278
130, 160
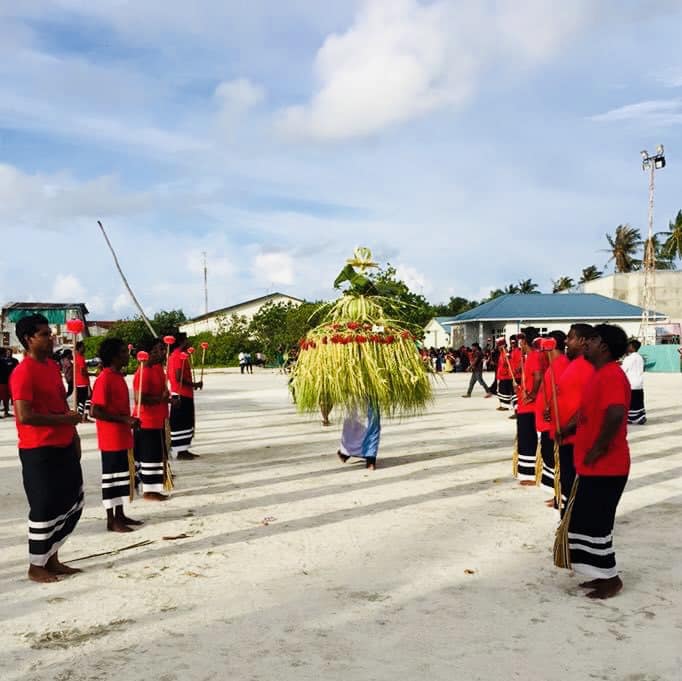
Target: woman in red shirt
602, 462
49, 450
111, 409
504, 376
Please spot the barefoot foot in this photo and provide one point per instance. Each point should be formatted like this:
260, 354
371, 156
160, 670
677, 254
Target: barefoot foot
129, 521
607, 589
154, 496
42, 575
56, 568
117, 525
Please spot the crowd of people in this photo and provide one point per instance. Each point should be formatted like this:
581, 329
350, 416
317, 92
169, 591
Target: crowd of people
570, 396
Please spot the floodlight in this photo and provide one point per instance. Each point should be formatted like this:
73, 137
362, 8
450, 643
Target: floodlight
659, 150
659, 162
644, 154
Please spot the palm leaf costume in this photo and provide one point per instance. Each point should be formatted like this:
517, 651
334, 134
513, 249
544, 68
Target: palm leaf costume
362, 353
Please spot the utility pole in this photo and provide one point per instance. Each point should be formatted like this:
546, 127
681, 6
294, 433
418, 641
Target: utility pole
650, 164
203, 254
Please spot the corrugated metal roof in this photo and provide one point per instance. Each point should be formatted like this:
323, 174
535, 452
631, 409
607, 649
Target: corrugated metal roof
529, 307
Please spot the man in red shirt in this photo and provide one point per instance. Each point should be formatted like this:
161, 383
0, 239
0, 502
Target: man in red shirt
570, 388
556, 365
182, 405
602, 462
82, 381
49, 450
150, 439
526, 436
111, 409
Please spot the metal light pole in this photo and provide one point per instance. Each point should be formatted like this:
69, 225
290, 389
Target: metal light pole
650, 164
205, 283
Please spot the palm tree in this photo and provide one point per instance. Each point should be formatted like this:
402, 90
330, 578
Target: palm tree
672, 248
527, 286
590, 274
662, 258
623, 247
510, 288
562, 284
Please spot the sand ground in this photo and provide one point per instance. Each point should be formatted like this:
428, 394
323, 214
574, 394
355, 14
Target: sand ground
436, 566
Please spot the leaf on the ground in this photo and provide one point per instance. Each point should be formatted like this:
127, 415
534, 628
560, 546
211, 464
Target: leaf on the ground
469, 571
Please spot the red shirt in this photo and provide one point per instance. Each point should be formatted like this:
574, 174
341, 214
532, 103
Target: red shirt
545, 397
152, 416
608, 386
175, 364
111, 393
503, 373
570, 389
79, 364
40, 383
516, 359
531, 365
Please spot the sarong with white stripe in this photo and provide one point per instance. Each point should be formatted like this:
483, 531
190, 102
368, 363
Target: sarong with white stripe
361, 439
547, 451
590, 531
527, 445
83, 400
53, 482
150, 445
637, 412
115, 478
181, 424
505, 392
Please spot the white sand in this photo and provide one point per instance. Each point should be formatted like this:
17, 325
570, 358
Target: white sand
359, 575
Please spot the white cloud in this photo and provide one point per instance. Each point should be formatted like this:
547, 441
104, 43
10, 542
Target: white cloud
416, 281
218, 266
659, 112
274, 268
240, 94
404, 58
67, 288
122, 304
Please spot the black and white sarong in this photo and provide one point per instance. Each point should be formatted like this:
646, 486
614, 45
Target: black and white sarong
547, 451
505, 392
53, 482
181, 424
590, 530
115, 478
83, 399
150, 445
637, 413
527, 444
566, 474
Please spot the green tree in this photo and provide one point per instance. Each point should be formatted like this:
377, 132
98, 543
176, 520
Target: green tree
511, 289
623, 247
562, 284
456, 305
413, 307
590, 273
232, 338
527, 286
166, 322
672, 247
282, 325
663, 260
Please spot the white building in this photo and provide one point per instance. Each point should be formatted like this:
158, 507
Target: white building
212, 321
57, 315
437, 332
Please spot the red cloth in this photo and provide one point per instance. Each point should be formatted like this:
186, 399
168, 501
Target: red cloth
40, 383
570, 392
545, 398
111, 393
608, 386
79, 364
152, 416
530, 365
503, 373
175, 364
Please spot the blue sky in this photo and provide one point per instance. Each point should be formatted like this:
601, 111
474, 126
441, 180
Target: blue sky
469, 144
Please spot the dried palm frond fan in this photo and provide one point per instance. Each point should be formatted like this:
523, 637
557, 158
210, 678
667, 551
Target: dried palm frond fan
362, 353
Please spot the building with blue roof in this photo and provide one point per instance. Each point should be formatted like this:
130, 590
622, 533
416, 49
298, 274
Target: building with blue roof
507, 314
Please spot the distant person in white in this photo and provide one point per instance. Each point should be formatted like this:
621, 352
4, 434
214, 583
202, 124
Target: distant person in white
633, 366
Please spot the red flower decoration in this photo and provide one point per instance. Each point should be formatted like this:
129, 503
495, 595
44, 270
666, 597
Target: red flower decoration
183, 356
169, 340
353, 325
190, 351
406, 335
360, 339
336, 327
389, 340
142, 356
204, 345
75, 326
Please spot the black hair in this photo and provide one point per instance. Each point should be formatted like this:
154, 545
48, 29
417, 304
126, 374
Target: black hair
28, 326
180, 338
475, 345
635, 344
582, 330
531, 333
613, 337
108, 349
80, 345
560, 338
149, 343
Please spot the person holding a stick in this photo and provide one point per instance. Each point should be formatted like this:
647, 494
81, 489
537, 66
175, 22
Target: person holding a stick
554, 347
111, 410
151, 399
570, 387
182, 404
49, 449
82, 381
